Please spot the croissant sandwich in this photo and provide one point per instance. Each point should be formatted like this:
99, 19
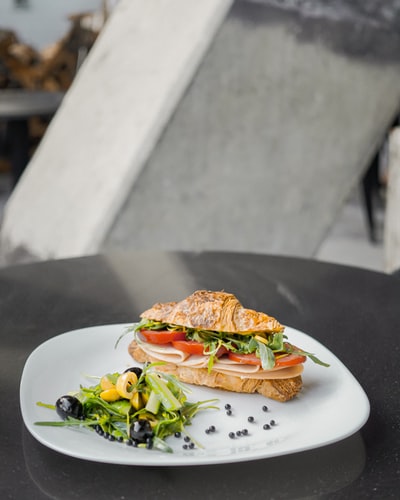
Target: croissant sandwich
210, 339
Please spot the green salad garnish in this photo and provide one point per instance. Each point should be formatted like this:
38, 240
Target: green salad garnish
139, 407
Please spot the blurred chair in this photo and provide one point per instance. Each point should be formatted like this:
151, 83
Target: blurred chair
17, 106
392, 215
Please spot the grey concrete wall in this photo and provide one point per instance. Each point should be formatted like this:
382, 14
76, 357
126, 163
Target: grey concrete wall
255, 151
275, 130
107, 126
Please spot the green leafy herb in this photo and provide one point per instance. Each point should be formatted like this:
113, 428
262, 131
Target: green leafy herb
266, 355
294, 350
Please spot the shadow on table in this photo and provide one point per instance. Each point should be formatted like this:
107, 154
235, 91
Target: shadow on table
314, 472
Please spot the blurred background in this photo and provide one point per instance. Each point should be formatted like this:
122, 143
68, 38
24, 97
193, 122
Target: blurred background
247, 126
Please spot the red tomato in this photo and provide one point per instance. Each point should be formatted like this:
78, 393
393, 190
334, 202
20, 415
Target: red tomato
245, 359
189, 346
161, 336
289, 360
194, 347
252, 359
221, 351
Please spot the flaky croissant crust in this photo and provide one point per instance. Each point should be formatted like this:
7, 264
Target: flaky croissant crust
218, 311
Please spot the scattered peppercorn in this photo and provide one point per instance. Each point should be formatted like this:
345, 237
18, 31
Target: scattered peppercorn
238, 433
245, 432
177, 434
250, 419
273, 422
186, 439
228, 406
266, 426
232, 435
265, 408
229, 412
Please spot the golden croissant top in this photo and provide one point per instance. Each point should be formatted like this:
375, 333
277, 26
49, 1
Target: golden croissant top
217, 311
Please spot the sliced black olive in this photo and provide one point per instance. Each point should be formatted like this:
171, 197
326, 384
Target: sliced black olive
135, 369
141, 431
69, 406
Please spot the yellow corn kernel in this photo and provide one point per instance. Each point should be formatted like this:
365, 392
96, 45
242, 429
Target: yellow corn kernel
136, 401
110, 395
151, 418
124, 384
105, 383
145, 397
261, 339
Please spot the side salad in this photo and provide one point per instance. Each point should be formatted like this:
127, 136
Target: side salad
140, 407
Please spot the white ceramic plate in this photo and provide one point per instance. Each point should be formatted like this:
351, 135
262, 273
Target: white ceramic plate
331, 406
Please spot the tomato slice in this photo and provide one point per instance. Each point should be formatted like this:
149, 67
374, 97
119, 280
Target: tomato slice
189, 346
280, 362
289, 360
244, 359
194, 347
161, 336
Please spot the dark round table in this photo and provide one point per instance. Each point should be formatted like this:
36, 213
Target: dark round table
353, 312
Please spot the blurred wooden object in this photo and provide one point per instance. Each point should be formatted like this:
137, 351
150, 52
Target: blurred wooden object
55, 67
19, 63
392, 216
60, 62
52, 69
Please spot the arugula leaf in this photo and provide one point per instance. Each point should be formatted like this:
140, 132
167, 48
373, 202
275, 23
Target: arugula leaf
266, 355
276, 342
290, 349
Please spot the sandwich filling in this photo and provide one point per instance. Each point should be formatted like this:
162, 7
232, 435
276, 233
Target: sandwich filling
259, 355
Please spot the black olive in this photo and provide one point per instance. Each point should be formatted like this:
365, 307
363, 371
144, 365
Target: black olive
135, 369
69, 406
140, 431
